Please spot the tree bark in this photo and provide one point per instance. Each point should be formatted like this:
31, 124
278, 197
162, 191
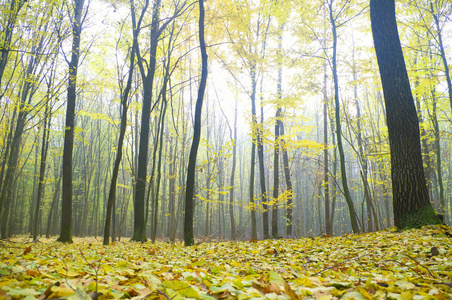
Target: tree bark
7, 34
122, 131
434, 117
189, 193
443, 53
289, 186
254, 129
277, 141
42, 167
260, 154
411, 204
66, 210
348, 198
232, 178
328, 219
139, 207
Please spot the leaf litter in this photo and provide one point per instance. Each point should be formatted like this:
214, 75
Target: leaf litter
414, 264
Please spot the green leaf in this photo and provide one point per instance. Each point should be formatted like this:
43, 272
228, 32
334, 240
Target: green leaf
275, 277
22, 292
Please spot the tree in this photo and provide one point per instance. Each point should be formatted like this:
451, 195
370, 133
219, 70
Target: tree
122, 130
8, 24
66, 210
147, 71
278, 129
189, 192
446, 10
139, 228
328, 219
411, 204
440, 11
252, 203
35, 67
44, 150
348, 198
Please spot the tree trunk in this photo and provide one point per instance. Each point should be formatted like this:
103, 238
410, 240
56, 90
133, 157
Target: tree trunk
411, 204
348, 198
289, 203
159, 166
254, 129
172, 185
442, 203
260, 154
139, 207
328, 219
42, 167
443, 53
66, 210
53, 208
277, 141
189, 194
231, 182
7, 34
122, 131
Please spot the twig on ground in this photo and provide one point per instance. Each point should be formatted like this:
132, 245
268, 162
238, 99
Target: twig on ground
336, 265
418, 263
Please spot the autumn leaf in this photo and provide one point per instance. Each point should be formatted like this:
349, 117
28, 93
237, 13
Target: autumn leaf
397, 266
181, 288
27, 250
59, 292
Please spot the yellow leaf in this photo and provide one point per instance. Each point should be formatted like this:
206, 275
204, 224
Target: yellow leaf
70, 274
59, 292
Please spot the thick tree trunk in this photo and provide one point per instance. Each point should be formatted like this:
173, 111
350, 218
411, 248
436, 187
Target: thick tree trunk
189, 193
411, 204
66, 210
139, 207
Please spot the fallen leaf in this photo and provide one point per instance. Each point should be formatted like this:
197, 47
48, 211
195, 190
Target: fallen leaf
60, 292
32, 273
27, 250
290, 292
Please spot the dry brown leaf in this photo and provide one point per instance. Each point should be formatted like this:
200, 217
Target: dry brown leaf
27, 250
290, 292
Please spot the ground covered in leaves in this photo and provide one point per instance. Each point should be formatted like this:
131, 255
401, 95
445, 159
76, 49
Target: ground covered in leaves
414, 264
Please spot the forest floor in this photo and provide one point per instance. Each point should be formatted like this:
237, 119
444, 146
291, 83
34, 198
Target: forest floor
412, 264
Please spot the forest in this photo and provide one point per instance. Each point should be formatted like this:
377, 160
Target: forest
243, 120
